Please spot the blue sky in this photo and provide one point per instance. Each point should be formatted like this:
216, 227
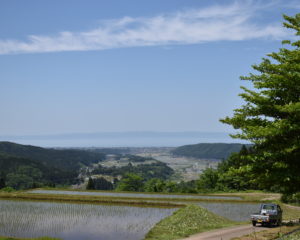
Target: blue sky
134, 65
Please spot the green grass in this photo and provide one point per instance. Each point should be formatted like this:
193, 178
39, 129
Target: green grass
290, 213
187, 221
41, 238
294, 236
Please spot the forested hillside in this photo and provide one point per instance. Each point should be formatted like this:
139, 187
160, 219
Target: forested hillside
22, 173
147, 171
66, 159
24, 166
208, 150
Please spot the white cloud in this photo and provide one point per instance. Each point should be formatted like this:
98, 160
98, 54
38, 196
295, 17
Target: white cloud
216, 23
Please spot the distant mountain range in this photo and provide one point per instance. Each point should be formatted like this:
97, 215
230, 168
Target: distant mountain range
122, 139
208, 150
25, 166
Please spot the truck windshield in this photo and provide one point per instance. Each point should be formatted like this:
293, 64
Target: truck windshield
268, 207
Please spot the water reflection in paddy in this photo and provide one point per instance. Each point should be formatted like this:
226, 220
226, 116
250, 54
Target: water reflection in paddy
239, 212
77, 221
233, 211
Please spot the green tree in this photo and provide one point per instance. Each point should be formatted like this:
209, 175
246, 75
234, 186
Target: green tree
19, 181
188, 187
154, 185
102, 184
208, 180
2, 183
24, 177
131, 182
270, 117
233, 173
171, 187
90, 185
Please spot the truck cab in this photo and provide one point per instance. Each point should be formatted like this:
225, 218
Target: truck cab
269, 214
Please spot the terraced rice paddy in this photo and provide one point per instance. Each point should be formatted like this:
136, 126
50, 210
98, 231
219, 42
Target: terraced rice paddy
239, 212
234, 211
133, 195
77, 221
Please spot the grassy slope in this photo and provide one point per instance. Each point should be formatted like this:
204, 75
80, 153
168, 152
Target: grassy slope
295, 236
186, 221
274, 233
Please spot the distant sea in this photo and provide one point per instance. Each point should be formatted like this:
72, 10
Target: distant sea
123, 139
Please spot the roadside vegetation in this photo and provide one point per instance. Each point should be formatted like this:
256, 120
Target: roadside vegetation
282, 233
294, 236
186, 221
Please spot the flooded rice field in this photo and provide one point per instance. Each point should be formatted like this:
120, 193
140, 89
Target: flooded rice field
234, 211
133, 195
239, 212
77, 221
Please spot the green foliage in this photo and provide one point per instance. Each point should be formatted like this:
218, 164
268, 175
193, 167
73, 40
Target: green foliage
159, 185
146, 171
171, 187
270, 117
131, 182
208, 150
186, 221
90, 185
2, 183
7, 189
135, 158
27, 166
154, 185
291, 198
24, 177
31, 171
231, 174
187, 187
294, 236
208, 180
102, 184
64, 159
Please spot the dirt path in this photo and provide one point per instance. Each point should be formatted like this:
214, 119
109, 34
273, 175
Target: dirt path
226, 233
291, 206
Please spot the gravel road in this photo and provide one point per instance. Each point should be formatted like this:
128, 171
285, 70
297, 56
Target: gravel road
226, 233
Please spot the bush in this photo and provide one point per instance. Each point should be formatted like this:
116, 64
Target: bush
7, 189
291, 198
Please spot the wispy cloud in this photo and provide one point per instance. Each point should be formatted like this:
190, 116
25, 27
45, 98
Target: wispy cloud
232, 22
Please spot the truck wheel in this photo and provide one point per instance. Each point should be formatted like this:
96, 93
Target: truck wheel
254, 223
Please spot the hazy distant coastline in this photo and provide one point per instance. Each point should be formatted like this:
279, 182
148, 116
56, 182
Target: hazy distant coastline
123, 139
